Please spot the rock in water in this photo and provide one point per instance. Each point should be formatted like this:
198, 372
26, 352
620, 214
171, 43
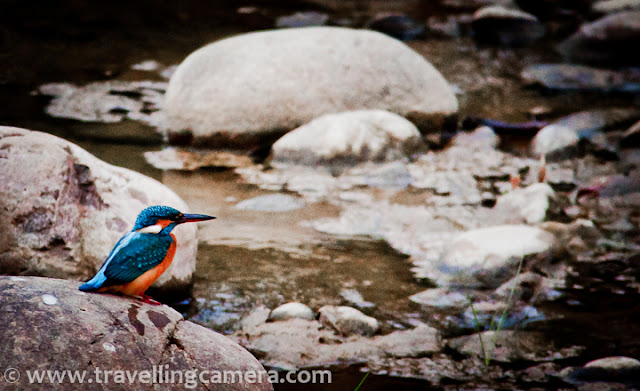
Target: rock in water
582, 78
612, 6
63, 210
489, 256
500, 25
608, 39
291, 311
348, 320
349, 137
525, 205
252, 88
272, 203
87, 331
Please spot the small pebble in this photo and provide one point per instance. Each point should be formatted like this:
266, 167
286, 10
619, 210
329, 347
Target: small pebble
109, 347
49, 299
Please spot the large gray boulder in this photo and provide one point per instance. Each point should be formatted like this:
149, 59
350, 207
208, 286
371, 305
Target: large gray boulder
49, 325
63, 210
255, 87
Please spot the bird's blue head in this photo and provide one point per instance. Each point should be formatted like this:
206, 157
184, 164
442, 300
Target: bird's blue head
162, 219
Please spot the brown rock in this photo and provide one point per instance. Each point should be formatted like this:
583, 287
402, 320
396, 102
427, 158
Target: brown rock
63, 209
53, 326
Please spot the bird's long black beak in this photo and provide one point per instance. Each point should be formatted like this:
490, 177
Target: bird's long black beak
190, 218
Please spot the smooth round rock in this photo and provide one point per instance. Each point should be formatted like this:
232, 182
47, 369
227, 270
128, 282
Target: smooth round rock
292, 310
349, 137
348, 320
610, 39
506, 26
252, 88
489, 256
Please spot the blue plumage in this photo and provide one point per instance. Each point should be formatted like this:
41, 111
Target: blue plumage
133, 255
148, 246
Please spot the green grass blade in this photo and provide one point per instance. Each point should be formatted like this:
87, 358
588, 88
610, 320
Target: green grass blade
362, 381
504, 312
475, 317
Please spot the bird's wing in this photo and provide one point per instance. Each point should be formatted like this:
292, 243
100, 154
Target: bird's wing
134, 255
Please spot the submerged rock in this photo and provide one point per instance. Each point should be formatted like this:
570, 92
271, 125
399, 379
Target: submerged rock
348, 320
500, 25
272, 203
291, 311
348, 138
355, 299
246, 90
184, 160
110, 101
63, 210
582, 78
618, 369
513, 346
607, 39
612, 6
398, 26
302, 19
440, 298
86, 331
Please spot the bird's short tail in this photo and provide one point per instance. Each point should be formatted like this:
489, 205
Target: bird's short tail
87, 287
93, 284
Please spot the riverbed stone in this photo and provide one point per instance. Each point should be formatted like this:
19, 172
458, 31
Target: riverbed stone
618, 369
291, 310
272, 203
560, 139
348, 320
253, 88
554, 137
573, 77
607, 39
440, 298
189, 160
631, 137
529, 204
397, 25
63, 210
86, 331
500, 25
110, 102
489, 256
513, 346
612, 6
348, 138
479, 138
299, 343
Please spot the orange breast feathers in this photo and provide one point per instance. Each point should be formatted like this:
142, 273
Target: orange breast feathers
140, 285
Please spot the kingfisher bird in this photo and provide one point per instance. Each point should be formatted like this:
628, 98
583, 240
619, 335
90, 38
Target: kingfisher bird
142, 255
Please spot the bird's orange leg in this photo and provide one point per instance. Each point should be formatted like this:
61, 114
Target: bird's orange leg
148, 300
